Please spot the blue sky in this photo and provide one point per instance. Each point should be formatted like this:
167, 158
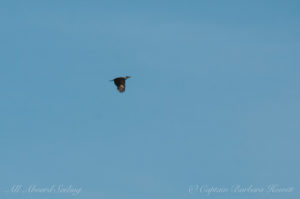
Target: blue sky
213, 99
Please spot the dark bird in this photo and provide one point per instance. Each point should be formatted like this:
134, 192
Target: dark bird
120, 83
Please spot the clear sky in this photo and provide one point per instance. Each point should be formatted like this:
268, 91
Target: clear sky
213, 99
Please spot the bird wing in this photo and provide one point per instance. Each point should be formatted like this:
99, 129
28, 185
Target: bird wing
120, 80
120, 83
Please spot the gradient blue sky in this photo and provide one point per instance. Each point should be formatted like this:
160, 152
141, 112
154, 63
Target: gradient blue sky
213, 99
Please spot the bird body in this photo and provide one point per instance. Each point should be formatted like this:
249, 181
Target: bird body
120, 83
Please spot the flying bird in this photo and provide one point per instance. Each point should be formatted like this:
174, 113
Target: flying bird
120, 83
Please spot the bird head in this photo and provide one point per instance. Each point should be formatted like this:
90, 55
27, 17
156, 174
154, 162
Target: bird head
127, 77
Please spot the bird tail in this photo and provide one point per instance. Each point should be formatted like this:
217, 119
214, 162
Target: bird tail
121, 88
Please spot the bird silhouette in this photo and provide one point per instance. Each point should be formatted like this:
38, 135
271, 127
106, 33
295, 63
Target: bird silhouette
120, 83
